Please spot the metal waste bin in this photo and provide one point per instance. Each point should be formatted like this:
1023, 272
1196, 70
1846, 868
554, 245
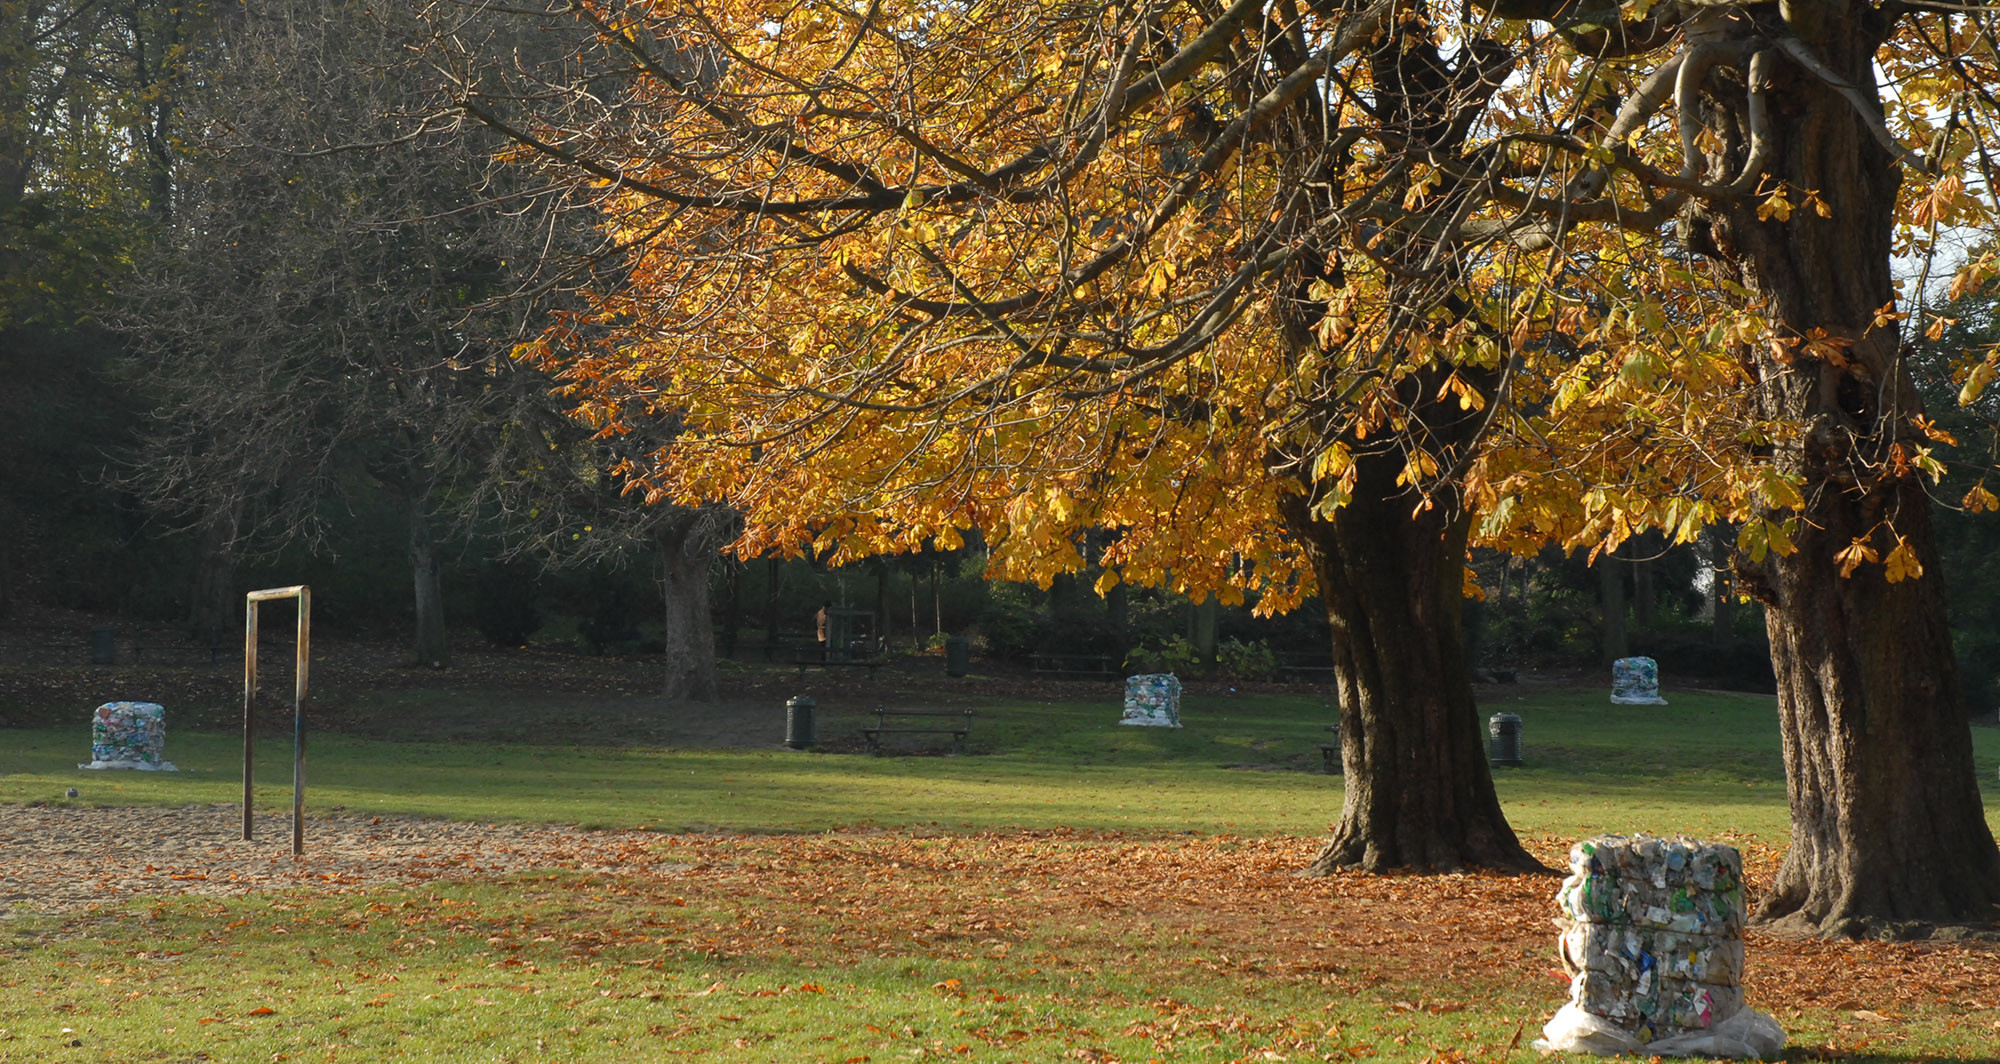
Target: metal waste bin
1504, 739
957, 655
103, 645
799, 731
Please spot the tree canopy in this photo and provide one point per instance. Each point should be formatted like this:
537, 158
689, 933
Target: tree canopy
1282, 292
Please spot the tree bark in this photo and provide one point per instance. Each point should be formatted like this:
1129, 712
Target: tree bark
1206, 613
432, 647
770, 606
1611, 596
732, 611
1649, 546
1887, 825
690, 636
1717, 553
212, 605
1419, 791
881, 633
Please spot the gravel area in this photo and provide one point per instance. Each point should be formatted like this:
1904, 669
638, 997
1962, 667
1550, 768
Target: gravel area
65, 859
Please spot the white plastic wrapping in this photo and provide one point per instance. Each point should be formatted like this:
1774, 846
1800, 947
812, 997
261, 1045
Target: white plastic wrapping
1748, 1035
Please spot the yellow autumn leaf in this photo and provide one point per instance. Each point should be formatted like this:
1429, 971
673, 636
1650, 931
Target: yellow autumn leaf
1472, 590
1979, 500
1902, 563
1976, 382
1855, 555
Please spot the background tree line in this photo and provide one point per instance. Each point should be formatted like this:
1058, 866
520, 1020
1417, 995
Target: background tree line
257, 317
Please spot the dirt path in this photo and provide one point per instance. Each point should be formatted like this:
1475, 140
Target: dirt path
56, 859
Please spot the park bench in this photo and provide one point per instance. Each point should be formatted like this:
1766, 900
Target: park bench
1313, 668
1098, 665
956, 723
1329, 752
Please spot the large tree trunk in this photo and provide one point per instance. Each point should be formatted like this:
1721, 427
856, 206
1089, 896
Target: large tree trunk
732, 610
1419, 792
1647, 547
212, 602
770, 606
685, 553
1611, 596
1717, 554
431, 647
1887, 824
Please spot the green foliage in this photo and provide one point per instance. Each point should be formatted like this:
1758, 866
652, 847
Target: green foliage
1011, 623
62, 260
1172, 654
1241, 660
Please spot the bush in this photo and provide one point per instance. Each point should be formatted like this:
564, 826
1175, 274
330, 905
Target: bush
1240, 660
1011, 625
1172, 654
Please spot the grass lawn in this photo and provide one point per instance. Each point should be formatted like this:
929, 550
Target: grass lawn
1073, 891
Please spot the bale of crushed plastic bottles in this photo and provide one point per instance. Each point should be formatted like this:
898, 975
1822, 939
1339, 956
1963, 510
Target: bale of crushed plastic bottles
1636, 682
1153, 700
129, 735
1652, 938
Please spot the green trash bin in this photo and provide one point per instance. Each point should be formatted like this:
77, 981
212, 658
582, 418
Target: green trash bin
1504, 739
799, 724
957, 655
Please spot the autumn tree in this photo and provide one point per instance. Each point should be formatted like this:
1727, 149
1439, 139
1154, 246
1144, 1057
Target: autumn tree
907, 270
1760, 134
1284, 293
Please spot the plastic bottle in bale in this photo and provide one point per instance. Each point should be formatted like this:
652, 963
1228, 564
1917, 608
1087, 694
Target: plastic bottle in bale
1153, 700
1653, 941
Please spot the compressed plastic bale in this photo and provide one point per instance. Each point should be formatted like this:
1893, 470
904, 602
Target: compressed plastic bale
1651, 1004
1652, 938
1624, 951
1636, 682
1672, 884
129, 735
1603, 898
1153, 700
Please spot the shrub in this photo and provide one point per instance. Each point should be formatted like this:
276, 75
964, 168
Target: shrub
1240, 660
1172, 654
1012, 623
